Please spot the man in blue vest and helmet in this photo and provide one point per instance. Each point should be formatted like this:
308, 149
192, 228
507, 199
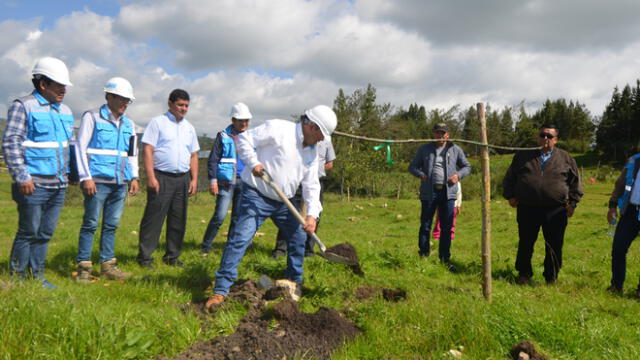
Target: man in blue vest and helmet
225, 168
626, 196
107, 160
36, 151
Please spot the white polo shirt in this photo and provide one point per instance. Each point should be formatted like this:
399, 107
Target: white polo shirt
277, 144
173, 142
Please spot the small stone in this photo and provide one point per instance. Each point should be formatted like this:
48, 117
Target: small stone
384, 205
259, 234
455, 353
280, 333
264, 282
134, 232
359, 207
225, 233
370, 204
202, 221
399, 216
352, 218
235, 349
523, 356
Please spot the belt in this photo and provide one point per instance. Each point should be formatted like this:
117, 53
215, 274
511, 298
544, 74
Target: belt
170, 173
438, 187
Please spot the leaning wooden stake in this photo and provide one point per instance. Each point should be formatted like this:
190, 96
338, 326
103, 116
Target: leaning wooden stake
486, 206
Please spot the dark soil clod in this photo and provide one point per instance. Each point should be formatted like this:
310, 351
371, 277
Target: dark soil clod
347, 251
394, 294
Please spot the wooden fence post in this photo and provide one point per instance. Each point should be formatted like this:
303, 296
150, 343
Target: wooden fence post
486, 206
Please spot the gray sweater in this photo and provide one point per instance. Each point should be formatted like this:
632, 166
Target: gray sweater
423, 162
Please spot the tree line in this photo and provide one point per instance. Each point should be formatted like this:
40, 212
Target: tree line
611, 137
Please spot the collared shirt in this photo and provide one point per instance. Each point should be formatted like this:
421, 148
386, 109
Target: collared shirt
635, 191
85, 133
544, 158
174, 142
325, 154
278, 145
15, 134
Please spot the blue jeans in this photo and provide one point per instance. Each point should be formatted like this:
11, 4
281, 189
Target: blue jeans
38, 216
253, 210
109, 199
227, 194
626, 232
445, 207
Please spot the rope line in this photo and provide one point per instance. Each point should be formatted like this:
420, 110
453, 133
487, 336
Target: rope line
407, 141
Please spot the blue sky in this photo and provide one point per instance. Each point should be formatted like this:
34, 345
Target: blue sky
50, 11
283, 56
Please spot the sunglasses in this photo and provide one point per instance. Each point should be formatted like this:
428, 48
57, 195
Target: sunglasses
546, 136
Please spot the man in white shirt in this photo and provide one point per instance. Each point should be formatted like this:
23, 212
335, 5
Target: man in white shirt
287, 151
170, 148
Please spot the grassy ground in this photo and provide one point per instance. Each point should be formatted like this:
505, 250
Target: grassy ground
142, 317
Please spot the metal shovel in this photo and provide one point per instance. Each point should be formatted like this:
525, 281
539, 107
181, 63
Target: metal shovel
323, 249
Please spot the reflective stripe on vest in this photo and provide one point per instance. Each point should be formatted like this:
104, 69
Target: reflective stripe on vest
44, 144
106, 152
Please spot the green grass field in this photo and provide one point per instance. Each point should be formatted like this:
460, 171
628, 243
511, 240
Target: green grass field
142, 317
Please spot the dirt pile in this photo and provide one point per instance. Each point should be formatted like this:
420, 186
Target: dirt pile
347, 250
367, 292
298, 334
525, 350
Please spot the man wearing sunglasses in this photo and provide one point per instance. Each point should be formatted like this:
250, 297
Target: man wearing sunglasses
545, 187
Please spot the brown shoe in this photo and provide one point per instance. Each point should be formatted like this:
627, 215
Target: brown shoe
214, 300
84, 272
111, 271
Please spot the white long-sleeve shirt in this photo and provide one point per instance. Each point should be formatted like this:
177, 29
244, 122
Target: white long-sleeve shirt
277, 144
85, 133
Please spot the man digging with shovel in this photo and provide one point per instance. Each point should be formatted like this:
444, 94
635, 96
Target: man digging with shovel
287, 150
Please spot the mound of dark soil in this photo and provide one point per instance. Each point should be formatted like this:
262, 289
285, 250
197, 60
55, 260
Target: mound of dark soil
347, 250
394, 294
526, 350
367, 292
296, 334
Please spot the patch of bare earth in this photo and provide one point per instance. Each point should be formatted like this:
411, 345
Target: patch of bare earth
295, 334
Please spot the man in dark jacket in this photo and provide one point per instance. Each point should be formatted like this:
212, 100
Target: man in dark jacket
545, 187
626, 196
439, 166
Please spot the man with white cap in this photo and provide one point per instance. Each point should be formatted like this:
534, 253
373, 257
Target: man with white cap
287, 151
224, 169
107, 160
36, 151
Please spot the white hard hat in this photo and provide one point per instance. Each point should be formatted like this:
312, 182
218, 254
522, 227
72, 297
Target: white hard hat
240, 111
119, 86
325, 118
54, 69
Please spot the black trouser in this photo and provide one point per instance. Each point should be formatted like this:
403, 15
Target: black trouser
281, 241
171, 203
626, 232
553, 221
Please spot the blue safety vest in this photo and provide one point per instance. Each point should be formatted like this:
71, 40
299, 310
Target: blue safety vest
632, 169
110, 146
229, 162
46, 147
